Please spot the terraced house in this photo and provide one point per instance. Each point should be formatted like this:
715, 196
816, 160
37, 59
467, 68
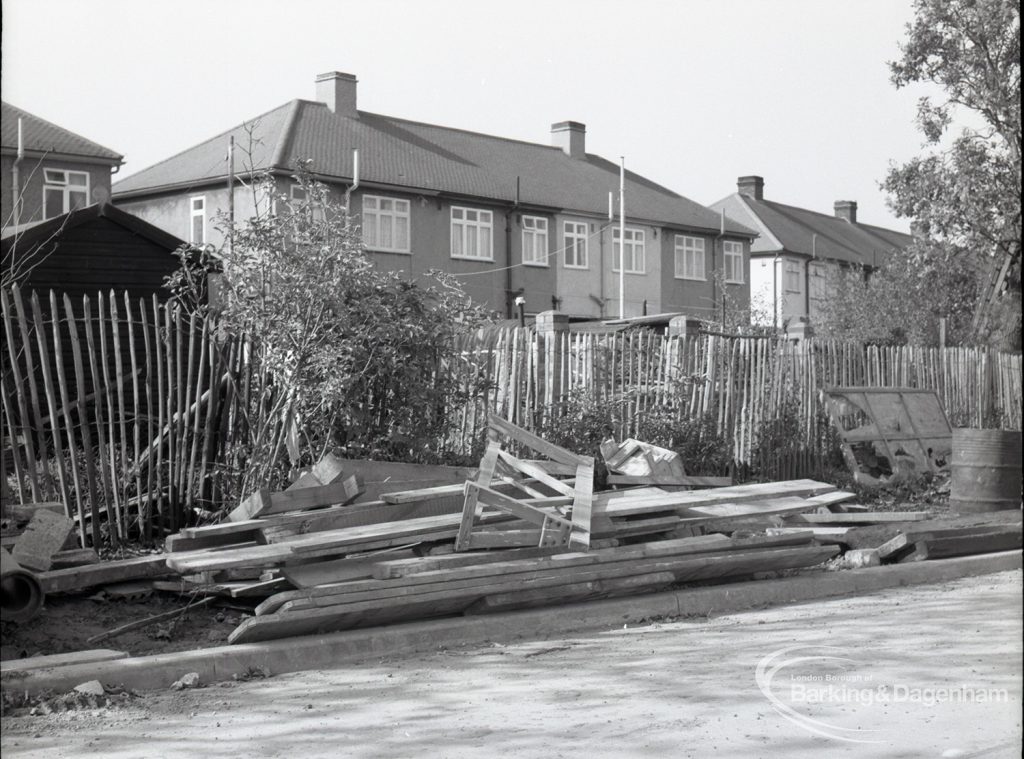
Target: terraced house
796, 258
510, 218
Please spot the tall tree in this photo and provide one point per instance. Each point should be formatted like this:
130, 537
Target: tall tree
964, 192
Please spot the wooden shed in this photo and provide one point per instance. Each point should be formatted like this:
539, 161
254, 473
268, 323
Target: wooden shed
96, 248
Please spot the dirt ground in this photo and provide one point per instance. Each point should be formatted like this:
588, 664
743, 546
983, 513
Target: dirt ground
67, 622
677, 689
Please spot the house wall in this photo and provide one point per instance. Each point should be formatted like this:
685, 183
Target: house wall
31, 180
701, 298
430, 238
791, 304
580, 291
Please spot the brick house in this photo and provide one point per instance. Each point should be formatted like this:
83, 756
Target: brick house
795, 259
511, 218
58, 171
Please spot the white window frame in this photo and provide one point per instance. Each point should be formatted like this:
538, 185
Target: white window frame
60, 179
575, 238
194, 212
792, 268
480, 229
378, 217
635, 243
732, 261
535, 241
694, 249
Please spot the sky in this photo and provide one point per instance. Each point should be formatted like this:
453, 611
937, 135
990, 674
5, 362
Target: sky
693, 93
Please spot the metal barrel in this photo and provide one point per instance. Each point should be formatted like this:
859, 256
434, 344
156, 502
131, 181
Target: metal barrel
985, 470
20, 593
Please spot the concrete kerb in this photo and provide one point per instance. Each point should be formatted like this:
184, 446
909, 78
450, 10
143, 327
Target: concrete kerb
355, 646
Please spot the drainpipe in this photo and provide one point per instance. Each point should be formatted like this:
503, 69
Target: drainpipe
508, 257
16, 179
355, 182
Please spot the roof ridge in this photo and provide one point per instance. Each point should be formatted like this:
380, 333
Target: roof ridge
831, 217
450, 128
22, 111
204, 142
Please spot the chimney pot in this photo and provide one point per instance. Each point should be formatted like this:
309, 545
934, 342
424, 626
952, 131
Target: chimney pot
337, 90
570, 136
752, 186
846, 209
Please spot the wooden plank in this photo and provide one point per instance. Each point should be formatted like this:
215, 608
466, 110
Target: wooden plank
578, 591
254, 503
409, 528
506, 538
332, 618
944, 548
686, 501
338, 570
23, 512
75, 557
627, 559
637, 527
423, 494
281, 553
659, 478
392, 568
328, 470
471, 508
583, 503
285, 526
535, 443
904, 542
537, 473
263, 502
831, 535
522, 509
77, 578
43, 537
875, 517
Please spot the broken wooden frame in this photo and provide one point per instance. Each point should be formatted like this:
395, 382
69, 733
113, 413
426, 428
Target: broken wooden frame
906, 426
553, 524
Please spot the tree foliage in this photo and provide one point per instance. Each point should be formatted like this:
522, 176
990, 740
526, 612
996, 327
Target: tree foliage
964, 191
350, 355
903, 302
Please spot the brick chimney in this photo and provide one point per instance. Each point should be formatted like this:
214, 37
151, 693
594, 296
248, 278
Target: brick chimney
846, 209
338, 91
570, 136
752, 187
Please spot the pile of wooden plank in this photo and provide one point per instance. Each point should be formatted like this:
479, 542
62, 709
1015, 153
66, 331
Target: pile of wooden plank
481, 582
526, 528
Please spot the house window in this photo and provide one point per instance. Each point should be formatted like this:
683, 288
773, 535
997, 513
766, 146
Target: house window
793, 277
535, 241
818, 286
690, 257
471, 234
197, 226
733, 262
298, 193
574, 242
64, 191
386, 223
635, 258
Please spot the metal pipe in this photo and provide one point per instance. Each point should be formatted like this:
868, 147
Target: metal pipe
622, 238
21, 595
16, 178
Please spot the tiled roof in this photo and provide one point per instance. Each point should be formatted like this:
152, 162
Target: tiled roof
806, 232
428, 158
39, 135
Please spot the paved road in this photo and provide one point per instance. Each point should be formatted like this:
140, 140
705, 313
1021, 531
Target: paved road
924, 672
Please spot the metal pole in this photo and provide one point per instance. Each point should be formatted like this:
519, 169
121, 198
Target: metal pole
622, 238
231, 194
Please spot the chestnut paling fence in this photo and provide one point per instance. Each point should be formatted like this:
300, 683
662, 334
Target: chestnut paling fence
136, 416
